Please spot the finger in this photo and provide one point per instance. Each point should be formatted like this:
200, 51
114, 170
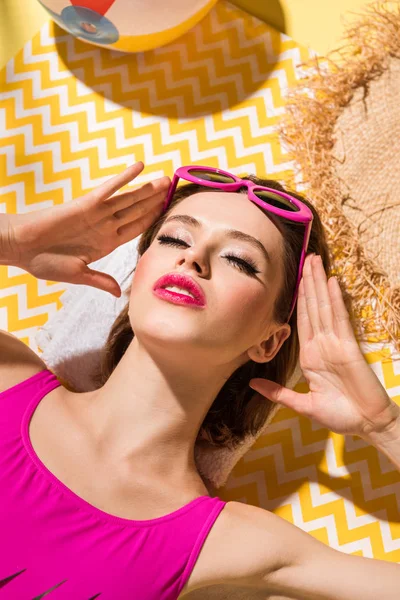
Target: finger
151, 188
146, 191
118, 181
277, 393
341, 315
127, 199
131, 230
139, 209
324, 305
304, 328
101, 281
311, 296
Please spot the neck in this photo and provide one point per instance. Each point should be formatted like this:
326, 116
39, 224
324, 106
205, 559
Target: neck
149, 413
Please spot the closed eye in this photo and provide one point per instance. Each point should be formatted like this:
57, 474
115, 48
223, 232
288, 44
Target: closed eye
246, 266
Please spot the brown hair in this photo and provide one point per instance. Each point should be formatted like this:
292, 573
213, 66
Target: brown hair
237, 410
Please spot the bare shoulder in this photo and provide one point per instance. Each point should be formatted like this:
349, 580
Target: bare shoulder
241, 541
249, 546
254, 550
17, 361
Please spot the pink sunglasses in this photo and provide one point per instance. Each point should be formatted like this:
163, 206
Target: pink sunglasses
276, 202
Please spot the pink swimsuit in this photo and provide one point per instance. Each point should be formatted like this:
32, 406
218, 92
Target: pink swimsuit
56, 545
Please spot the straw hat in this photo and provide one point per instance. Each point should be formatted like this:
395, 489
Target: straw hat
342, 127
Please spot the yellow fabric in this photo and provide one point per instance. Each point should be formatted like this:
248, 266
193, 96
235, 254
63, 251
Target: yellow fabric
76, 114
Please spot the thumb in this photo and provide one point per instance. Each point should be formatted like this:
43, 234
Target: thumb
101, 281
282, 395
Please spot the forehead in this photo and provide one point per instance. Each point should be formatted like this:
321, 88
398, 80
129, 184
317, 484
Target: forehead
222, 210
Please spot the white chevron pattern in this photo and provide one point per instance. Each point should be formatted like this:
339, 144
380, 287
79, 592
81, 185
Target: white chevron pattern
71, 115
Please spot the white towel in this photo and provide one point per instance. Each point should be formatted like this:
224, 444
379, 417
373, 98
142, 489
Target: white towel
72, 339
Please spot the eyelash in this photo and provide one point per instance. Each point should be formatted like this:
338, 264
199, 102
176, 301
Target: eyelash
247, 266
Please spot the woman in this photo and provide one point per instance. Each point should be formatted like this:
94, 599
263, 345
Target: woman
100, 491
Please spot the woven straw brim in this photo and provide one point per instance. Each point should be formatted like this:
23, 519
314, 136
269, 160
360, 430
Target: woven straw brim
342, 129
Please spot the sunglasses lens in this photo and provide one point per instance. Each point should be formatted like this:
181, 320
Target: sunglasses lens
266, 196
275, 200
211, 176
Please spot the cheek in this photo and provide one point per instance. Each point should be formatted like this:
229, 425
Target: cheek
142, 281
140, 272
244, 305
143, 274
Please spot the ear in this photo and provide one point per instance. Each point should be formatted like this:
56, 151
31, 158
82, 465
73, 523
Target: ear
267, 349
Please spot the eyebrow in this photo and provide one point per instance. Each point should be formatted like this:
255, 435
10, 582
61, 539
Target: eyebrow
233, 234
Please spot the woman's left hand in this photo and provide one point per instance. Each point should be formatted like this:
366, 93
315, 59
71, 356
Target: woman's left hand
345, 394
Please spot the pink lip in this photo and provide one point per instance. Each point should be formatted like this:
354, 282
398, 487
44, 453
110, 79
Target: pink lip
183, 281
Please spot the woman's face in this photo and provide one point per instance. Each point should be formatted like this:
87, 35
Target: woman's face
239, 302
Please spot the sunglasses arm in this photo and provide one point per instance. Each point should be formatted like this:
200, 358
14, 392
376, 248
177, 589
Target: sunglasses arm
307, 233
171, 192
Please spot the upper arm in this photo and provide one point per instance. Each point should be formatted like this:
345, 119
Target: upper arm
17, 361
254, 548
250, 546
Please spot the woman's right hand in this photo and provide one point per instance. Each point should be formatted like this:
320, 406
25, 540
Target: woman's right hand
58, 243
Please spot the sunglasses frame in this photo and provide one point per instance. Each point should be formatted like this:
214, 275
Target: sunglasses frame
302, 215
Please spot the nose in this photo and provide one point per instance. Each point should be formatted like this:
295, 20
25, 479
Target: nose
196, 258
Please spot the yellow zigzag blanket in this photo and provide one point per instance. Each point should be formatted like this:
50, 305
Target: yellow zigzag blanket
72, 115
